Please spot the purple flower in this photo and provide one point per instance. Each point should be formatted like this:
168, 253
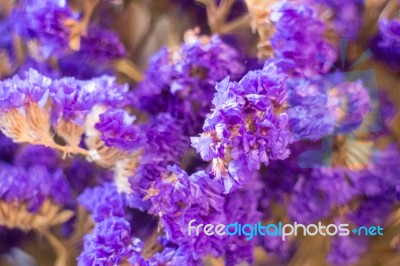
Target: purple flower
101, 45
73, 65
178, 198
385, 46
41, 67
182, 82
44, 22
165, 145
334, 182
103, 202
117, 130
31, 155
246, 128
174, 256
299, 39
110, 243
6, 31
10, 96
72, 99
242, 206
380, 176
343, 13
82, 174
17, 91
346, 250
372, 211
278, 179
307, 202
107, 91
390, 30
308, 116
33, 186
276, 246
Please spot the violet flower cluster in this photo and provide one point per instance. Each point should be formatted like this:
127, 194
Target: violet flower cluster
112, 166
181, 81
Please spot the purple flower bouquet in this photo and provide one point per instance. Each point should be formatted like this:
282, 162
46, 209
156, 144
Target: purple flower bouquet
199, 132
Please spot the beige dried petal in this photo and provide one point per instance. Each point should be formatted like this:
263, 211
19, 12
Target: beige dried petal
70, 132
14, 125
62, 217
124, 169
39, 123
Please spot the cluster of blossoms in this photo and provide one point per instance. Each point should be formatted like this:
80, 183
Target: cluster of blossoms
110, 240
385, 45
111, 166
245, 129
181, 81
179, 198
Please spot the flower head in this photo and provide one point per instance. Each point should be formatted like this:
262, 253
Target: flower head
117, 130
246, 128
72, 99
299, 39
103, 202
109, 244
44, 22
182, 82
101, 45
33, 186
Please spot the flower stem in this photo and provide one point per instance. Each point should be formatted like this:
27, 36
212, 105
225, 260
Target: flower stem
62, 252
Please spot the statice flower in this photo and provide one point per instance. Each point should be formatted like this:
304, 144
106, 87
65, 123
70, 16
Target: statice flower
239, 249
333, 182
42, 67
346, 250
178, 198
309, 118
299, 39
103, 202
43, 23
33, 186
246, 128
110, 243
165, 145
83, 174
116, 129
341, 14
18, 91
101, 45
278, 180
307, 202
372, 211
72, 99
31, 155
108, 92
174, 256
23, 114
379, 177
73, 65
181, 82
275, 246
385, 46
